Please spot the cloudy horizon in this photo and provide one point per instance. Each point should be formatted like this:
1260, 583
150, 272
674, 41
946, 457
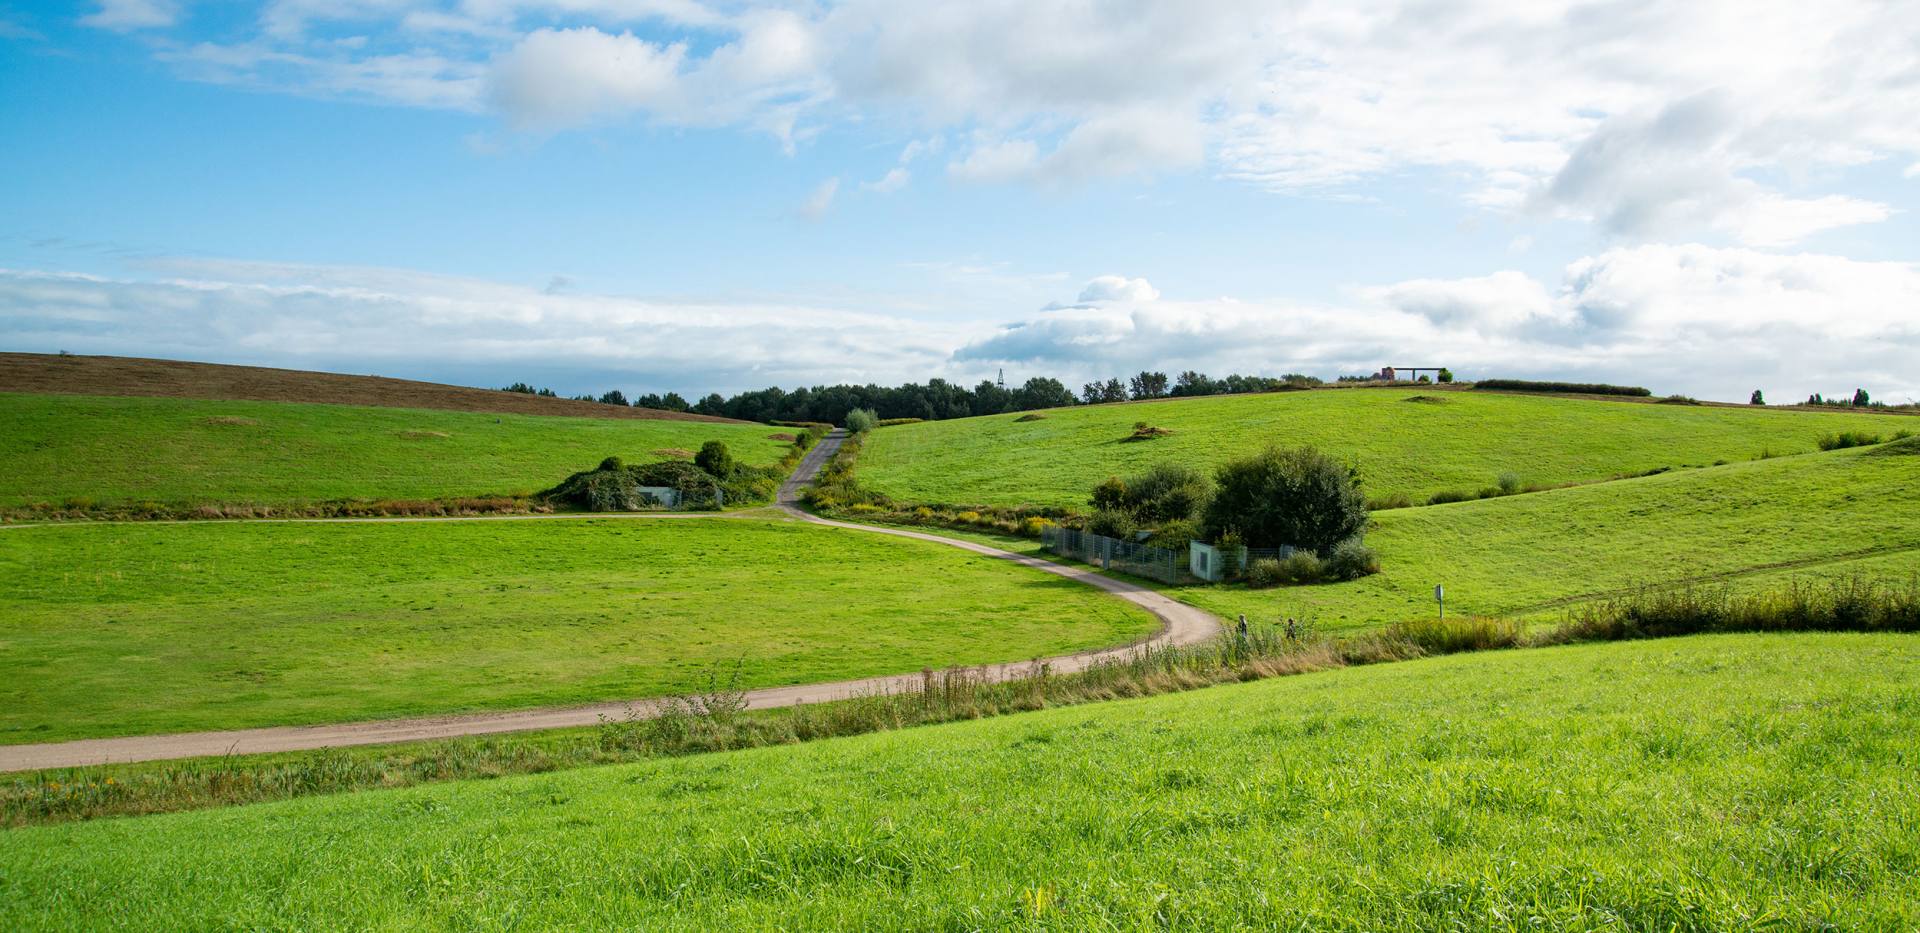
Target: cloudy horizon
1704, 198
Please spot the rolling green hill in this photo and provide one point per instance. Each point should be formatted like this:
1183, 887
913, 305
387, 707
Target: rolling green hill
1711, 783
143, 628
1757, 523
1457, 441
184, 452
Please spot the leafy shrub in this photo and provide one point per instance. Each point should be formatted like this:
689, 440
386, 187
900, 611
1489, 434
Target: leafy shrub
1398, 500
1300, 497
1110, 495
612, 463
1582, 388
1175, 535
1351, 560
715, 459
1113, 524
1445, 496
1509, 483
1033, 525
1296, 569
1165, 492
1846, 439
861, 420
894, 422
1679, 400
1263, 573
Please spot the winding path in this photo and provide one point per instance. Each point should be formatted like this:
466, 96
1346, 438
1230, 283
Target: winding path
1179, 624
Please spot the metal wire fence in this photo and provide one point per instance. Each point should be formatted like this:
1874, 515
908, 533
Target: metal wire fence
1141, 560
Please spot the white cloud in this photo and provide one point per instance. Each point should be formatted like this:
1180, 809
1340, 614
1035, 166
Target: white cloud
129, 15
1715, 323
895, 179
1658, 120
995, 162
563, 77
1118, 288
396, 321
1688, 318
820, 201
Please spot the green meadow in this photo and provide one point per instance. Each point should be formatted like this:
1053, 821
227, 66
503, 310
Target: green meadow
1756, 524
1709, 783
132, 629
1460, 441
183, 452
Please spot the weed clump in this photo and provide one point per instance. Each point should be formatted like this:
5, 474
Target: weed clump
1030, 416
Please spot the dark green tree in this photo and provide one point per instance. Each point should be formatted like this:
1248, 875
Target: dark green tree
1757, 399
1296, 497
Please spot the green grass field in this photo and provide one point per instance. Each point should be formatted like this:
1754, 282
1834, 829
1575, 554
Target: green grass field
1712, 783
132, 629
1747, 524
1463, 442
1751, 526
54, 448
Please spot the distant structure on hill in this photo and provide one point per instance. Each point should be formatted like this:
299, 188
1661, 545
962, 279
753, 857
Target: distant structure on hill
1392, 373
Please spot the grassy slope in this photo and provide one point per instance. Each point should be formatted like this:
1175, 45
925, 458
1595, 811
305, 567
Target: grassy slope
1463, 443
126, 629
189, 451
1727, 782
1522, 554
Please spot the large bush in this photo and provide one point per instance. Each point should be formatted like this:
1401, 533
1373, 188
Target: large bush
1167, 492
862, 420
715, 458
1279, 497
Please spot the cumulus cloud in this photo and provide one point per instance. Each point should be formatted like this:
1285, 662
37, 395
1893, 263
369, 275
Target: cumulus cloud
563, 77
1711, 321
1663, 120
1118, 288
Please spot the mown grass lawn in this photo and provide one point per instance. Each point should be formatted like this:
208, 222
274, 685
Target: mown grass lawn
1745, 524
1464, 441
1710, 783
115, 451
132, 629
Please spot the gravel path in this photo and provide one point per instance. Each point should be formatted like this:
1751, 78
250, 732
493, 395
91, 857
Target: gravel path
1180, 624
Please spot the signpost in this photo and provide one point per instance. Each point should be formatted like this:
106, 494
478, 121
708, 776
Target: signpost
1440, 596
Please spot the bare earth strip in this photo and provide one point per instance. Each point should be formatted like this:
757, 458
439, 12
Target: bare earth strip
1180, 624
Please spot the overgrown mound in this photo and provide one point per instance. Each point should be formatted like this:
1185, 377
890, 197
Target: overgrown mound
615, 487
1143, 431
1029, 416
1425, 399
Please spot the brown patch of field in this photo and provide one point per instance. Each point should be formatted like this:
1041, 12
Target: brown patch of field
424, 435
674, 453
232, 420
781, 436
119, 375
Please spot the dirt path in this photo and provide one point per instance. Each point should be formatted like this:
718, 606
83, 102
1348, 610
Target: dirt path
1179, 624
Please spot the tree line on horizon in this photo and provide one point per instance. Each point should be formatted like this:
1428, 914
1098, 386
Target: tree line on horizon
939, 399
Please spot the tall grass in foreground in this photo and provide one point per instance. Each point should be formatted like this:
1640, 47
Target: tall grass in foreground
714, 717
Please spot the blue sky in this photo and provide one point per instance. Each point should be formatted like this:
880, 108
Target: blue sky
668, 194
